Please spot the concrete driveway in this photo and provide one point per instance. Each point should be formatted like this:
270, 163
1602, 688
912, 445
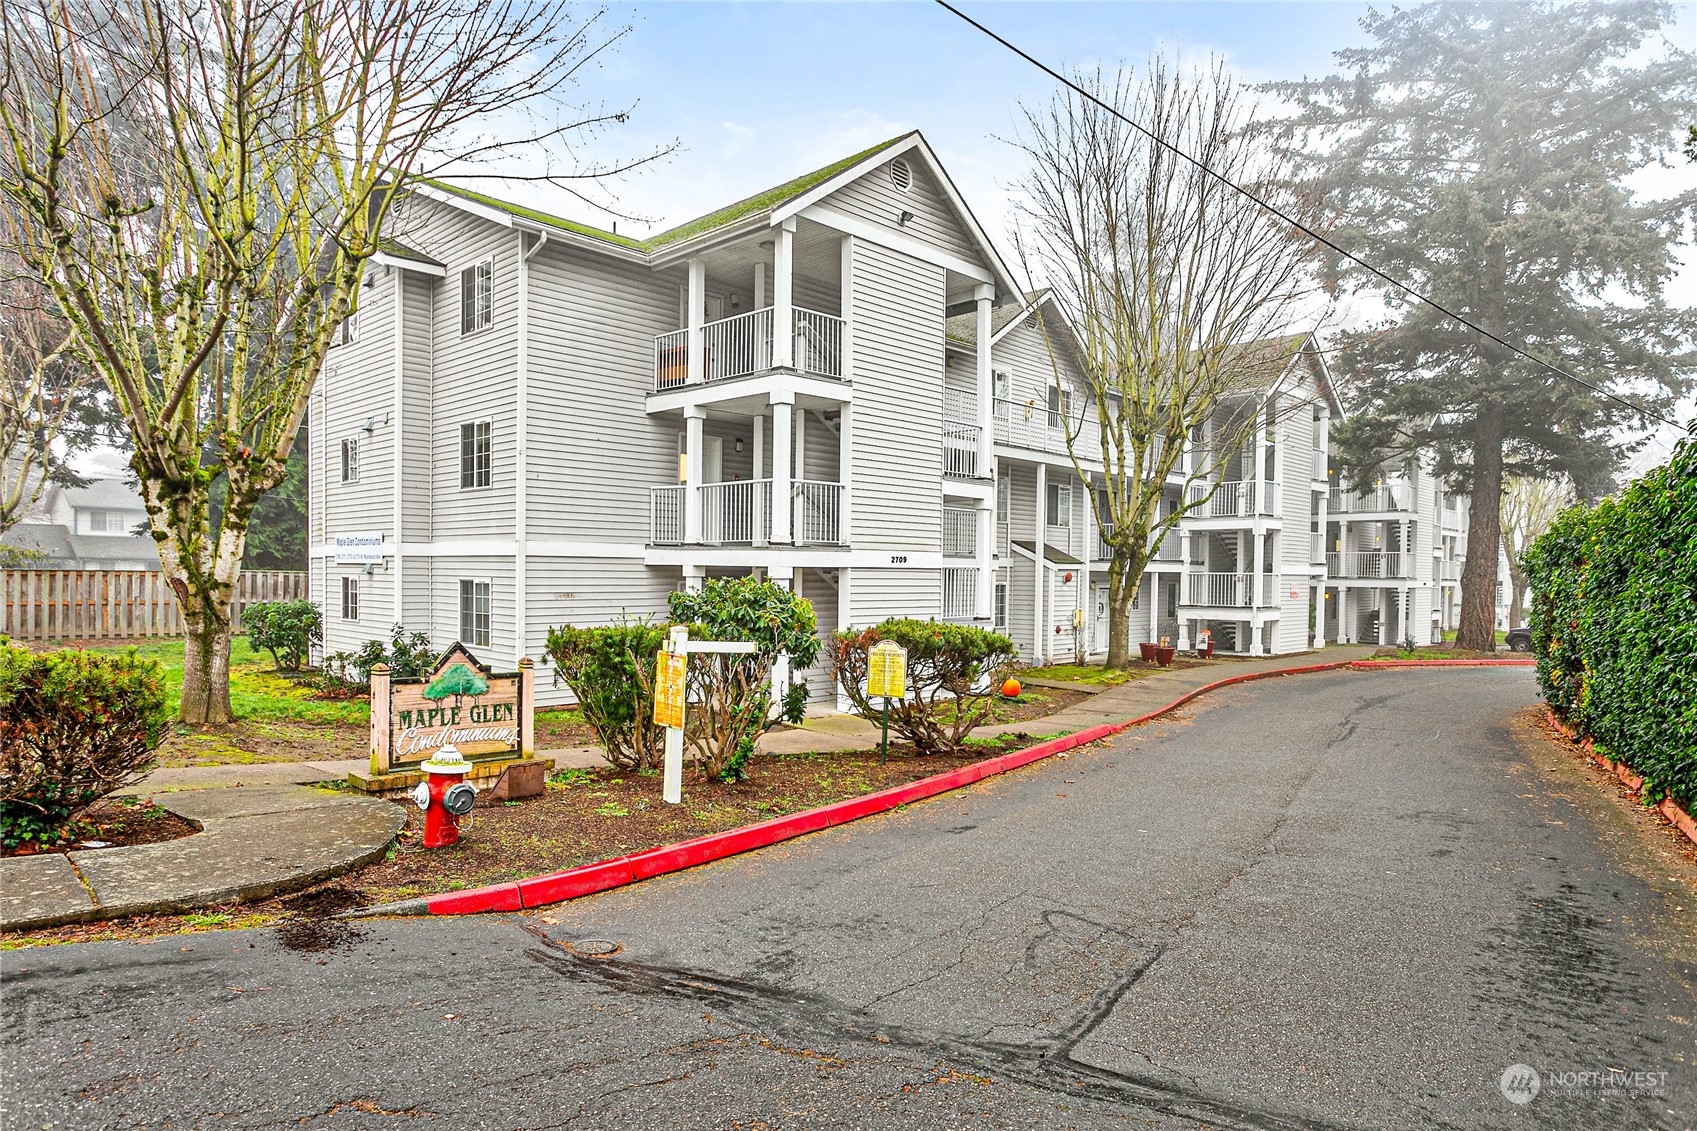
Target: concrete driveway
1343, 900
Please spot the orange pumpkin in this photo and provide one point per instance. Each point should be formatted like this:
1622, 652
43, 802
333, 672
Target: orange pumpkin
1010, 688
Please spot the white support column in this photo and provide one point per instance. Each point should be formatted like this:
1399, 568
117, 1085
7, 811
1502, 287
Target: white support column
1086, 524
783, 575
783, 295
1184, 552
759, 285
693, 576
1040, 592
845, 616
1155, 587
984, 294
845, 476
757, 426
846, 306
986, 600
697, 316
1262, 486
783, 411
800, 443
693, 417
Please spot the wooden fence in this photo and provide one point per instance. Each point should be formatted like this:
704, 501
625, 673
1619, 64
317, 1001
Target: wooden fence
114, 604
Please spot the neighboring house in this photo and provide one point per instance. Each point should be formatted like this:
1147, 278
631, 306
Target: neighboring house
95, 526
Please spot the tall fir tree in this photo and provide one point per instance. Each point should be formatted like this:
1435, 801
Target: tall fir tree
1480, 152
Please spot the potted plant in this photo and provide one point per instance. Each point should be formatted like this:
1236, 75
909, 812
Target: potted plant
1147, 648
1164, 651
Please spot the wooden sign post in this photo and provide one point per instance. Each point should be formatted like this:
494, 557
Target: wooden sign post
886, 676
671, 693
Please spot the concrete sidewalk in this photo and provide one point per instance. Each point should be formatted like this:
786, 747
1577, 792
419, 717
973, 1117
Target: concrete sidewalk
255, 841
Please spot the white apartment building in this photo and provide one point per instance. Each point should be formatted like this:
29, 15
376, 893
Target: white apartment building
835, 384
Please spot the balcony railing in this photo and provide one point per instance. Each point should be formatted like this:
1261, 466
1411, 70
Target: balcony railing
960, 532
739, 513
1230, 590
1449, 571
1387, 498
960, 449
1232, 499
960, 592
742, 344
1320, 470
1316, 549
1370, 564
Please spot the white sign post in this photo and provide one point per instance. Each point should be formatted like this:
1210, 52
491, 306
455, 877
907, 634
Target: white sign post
670, 693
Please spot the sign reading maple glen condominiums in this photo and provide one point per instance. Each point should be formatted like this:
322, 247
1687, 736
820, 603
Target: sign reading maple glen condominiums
486, 715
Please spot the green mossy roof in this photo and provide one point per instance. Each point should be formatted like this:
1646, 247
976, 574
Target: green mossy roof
730, 214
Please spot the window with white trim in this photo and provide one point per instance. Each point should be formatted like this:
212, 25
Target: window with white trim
347, 331
350, 598
1004, 496
474, 613
477, 296
350, 460
1060, 406
1060, 504
1001, 614
476, 452
1001, 392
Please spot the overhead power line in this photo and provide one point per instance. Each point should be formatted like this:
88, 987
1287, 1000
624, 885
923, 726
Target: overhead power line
1303, 228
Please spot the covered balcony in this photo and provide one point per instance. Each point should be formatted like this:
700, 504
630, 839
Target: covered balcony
740, 513
744, 344
1384, 499
1371, 565
1230, 499
1231, 590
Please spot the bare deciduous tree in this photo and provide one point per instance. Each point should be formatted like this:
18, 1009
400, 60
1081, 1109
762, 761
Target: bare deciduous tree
1174, 286
199, 185
1529, 506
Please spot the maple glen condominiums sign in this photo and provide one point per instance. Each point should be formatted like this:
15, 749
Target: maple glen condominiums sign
486, 715
357, 549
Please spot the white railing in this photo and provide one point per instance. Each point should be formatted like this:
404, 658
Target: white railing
960, 532
1168, 548
1449, 571
1104, 552
737, 346
1369, 564
1317, 549
1029, 425
817, 519
818, 343
1232, 499
1450, 516
960, 449
1320, 461
1386, 498
960, 404
666, 515
737, 513
1230, 590
671, 359
960, 592
742, 344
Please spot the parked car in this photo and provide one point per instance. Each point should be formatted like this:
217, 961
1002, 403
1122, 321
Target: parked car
1519, 640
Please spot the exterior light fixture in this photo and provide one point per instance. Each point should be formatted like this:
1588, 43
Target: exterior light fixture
904, 218
739, 443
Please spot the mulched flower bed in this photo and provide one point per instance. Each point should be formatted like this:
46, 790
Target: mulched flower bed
117, 822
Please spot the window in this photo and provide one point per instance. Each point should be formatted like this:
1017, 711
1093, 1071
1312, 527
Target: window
474, 613
477, 296
106, 522
1001, 621
350, 461
1060, 406
1004, 496
347, 331
474, 453
1001, 392
1060, 504
350, 598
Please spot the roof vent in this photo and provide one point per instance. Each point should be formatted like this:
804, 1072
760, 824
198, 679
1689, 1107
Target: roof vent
901, 175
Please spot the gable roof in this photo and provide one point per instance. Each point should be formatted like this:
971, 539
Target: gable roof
773, 205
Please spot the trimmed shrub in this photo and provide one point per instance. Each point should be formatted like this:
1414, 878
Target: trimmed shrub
953, 671
1614, 624
286, 629
408, 655
730, 694
611, 672
74, 727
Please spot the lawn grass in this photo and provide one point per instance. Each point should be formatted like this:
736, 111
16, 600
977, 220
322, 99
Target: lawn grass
1095, 674
257, 692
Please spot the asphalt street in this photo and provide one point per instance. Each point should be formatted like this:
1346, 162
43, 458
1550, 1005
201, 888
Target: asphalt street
1349, 900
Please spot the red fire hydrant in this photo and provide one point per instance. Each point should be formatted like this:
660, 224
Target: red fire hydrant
445, 796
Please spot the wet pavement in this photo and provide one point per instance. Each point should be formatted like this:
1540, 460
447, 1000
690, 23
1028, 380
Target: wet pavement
1351, 900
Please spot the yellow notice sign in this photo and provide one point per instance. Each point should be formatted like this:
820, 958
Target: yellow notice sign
886, 671
669, 671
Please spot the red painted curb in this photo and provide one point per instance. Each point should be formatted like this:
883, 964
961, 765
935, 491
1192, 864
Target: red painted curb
1367, 665
588, 879
1677, 817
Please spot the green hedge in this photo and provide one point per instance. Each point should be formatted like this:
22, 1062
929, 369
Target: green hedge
1614, 624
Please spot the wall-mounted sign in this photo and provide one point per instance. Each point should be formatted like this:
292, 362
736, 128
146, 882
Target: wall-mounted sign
357, 549
486, 715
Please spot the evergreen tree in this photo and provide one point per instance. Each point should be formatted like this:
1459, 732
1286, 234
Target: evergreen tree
1479, 153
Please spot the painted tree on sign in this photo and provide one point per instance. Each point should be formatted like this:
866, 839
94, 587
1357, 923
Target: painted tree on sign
1481, 152
458, 681
198, 186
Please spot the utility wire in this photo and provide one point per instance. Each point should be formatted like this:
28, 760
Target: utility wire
1301, 227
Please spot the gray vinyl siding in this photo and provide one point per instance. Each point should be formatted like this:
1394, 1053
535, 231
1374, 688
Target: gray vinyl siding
586, 592
1023, 354
376, 607
822, 455
361, 390
817, 588
878, 593
874, 198
898, 376
594, 452
417, 403
446, 575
